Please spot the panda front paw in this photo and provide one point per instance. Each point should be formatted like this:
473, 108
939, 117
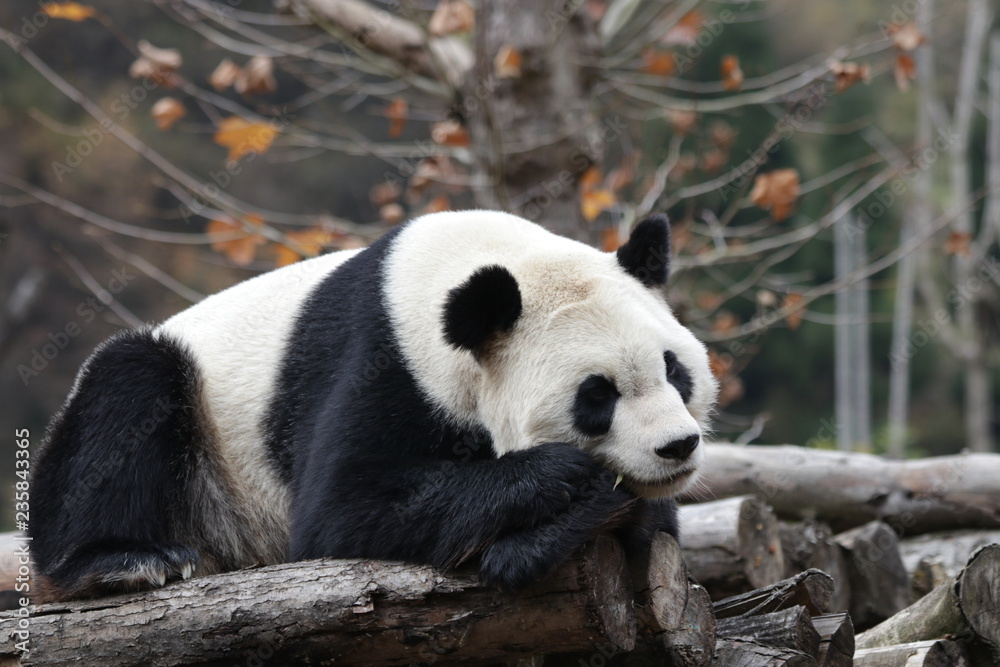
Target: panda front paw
549, 478
521, 556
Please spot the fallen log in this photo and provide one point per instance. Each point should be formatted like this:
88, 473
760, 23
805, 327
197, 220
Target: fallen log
811, 589
676, 625
348, 611
789, 628
935, 557
742, 653
731, 546
836, 639
966, 606
879, 583
810, 544
934, 653
848, 489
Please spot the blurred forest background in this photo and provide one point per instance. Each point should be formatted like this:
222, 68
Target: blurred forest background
831, 170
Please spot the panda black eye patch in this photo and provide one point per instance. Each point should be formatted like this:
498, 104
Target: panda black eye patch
594, 407
678, 375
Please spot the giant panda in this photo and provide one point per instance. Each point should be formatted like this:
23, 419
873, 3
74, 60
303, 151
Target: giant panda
470, 387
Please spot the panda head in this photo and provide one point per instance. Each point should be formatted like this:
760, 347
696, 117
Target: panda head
574, 345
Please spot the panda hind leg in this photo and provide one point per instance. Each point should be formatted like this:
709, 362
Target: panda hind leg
109, 486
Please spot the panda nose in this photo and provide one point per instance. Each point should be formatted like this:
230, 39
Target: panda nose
679, 449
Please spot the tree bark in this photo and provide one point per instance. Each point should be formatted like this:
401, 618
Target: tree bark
811, 589
809, 544
847, 490
348, 611
879, 583
741, 653
836, 639
966, 606
944, 554
732, 546
368, 28
934, 653
532, 131
789, 628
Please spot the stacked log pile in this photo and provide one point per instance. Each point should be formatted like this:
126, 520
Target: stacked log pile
758, 580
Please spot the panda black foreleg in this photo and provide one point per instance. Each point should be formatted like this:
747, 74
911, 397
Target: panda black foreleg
108, 485
525, 511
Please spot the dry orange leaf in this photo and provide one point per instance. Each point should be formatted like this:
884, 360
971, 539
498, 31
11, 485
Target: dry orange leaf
384, 193
958, 244
155, 63
590, 179
904, 70
609, 239
794, 317
438, 204
732, 75
685, 31
906, 36
392, 213
257, 77
725, 322
240, 251
241, 136
719, 364
224, 75
507, 63
306, 243
167, 111
722, 134
709, 300
776, 191
846, 75
71, 11
682, 120
713, 160
396, 113
451, 16
658, 63
449, 133
595, 201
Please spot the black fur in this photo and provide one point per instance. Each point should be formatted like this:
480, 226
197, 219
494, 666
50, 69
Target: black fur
594, 406
679, 376
108, 488
488, 303
646, 256
377, 474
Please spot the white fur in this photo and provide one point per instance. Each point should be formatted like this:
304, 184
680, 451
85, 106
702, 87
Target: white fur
582, 315
238, 338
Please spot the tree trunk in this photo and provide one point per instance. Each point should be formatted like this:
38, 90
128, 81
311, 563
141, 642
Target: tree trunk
811, 589
935, 653
532, 129
788, 628
846, 490
966, 606
879, 583
836, 639
732, 546
808, 544
348, 611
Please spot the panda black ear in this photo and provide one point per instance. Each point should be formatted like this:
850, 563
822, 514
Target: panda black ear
646, 256
486, 304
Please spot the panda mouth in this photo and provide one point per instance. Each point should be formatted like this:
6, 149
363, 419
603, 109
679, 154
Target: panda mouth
667, 485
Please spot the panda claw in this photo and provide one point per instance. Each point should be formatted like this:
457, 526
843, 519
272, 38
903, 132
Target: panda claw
187, 569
